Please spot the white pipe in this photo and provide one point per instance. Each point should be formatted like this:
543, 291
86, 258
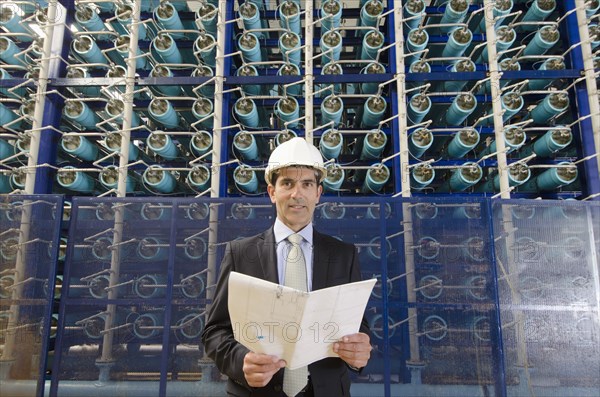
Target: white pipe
308, 72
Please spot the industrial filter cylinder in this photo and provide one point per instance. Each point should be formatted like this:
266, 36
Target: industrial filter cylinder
372, 68
375, 249
413, 9
195, 248
289, 69
461, 108
332, 69
4, 75
79, 146
331, 144
116, 110
154, 212
370, 13
249, 71
198, 178
206, 18
419, 106
505, 38
166, 16
207, 90
246, 112
201, 109
373, 145
518, 173
591, 7
250, 16
82, 73
245, 179
332, 109
242, 211
150, 249
419, 141
284, 136
75, 180
455, 12
371, 44
463, 142
245, 144
201, 143
80, 113
458, 42
548, 144
112, 142
377, 176
7, 116
550, 107
89, 20
335, 178
150, 286
463, 178
250, 48
289, 44
331, 46
514, 137
538, 11
420, 66
288, 111
373, 111
331, 15
548, 64
109, 178
417, 40
159, 180
289, 16
6, 149
162, 145
512, 103
206, 49
84, 47
163, 112
544, 39
333, 211
428, 248
594, 33
421, 176
553, 178
8, 49
123, 22
501, 9
166, 49
147, 325
190, 327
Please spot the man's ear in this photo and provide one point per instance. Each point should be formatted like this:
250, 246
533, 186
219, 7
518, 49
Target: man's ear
271, 191
319, 192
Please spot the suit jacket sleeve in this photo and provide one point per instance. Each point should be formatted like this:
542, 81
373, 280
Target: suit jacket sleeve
217, 337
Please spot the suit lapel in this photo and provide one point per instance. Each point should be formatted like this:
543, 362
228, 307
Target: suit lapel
268, 255
320, 262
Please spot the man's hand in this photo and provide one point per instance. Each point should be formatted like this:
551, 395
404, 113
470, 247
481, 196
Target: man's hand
354, 349
259, 368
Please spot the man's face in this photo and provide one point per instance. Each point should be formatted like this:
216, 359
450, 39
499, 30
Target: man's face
295, 195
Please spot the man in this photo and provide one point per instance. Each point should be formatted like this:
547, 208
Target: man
294, 175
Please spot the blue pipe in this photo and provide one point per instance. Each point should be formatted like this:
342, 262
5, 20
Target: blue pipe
514, 138
544, 39
419, 141
518, 174
82, 73
333, 211
372, 68
246, 112
331, 41
458, 42
109, 178
331, 144
18, 93
373, 111
331, 13
461, 66
249, 70
11, 21
421, 176
245, 179
122, 46
591, 8
377, 177
163, 112
163, 145
414, 8
79, 146
417, 40
370, 12
89, 20
455, 12
206, 18
288, 110
548, 64
501, 8
371, 43
87, 49
463, 142
553, 178
148, 249
548, 144
538, 11
75, 180
116, 108
198, 178
250, 16
201, 143
418, 107
123, 22
373, 145
335, 177
201, 108
462, 178
166, 48
551, 106
7, 116
6, 149
242, 211
205, 48
159, 180
250, 48
289, 43
167, 16
461, 108
289, 16
505, 36
8, 49
331, 69
289, 69
332, 108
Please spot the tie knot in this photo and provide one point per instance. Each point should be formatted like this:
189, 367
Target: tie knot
295, 238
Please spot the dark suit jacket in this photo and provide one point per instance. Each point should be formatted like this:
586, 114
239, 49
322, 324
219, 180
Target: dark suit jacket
334, 262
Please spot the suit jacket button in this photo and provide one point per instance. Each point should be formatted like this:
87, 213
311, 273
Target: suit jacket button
277, 388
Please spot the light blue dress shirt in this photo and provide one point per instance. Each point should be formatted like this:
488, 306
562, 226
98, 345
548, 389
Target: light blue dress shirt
282, 232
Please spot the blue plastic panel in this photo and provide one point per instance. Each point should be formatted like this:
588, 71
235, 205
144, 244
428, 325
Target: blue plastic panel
29, 236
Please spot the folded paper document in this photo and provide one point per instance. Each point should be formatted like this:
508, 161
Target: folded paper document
296, 326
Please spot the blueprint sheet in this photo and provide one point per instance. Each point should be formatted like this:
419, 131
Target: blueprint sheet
298, 327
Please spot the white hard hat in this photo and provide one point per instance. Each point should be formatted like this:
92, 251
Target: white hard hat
295, 152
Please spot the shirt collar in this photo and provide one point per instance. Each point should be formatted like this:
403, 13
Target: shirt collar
282, 232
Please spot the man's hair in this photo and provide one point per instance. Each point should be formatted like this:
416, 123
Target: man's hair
275, 174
